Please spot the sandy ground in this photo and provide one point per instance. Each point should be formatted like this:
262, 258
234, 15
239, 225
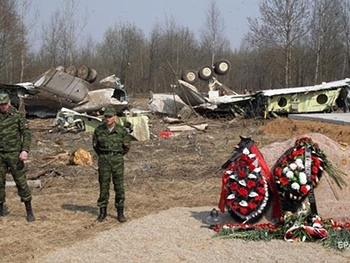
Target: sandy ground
171, 184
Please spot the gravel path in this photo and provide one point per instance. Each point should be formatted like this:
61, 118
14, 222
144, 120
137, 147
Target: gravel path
178, 235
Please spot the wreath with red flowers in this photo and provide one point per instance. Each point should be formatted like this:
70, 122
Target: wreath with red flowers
246, 188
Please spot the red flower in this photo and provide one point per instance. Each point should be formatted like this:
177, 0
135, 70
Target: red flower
250, 161
242, 174
244, 157
243, 210
314, 169
252, 205
278, 171
251, 167
250, 184
232, 168
258, 198
316, 161
303, 189
233, 186
242, 191
261, 190
284, 161
284, 181
242, 164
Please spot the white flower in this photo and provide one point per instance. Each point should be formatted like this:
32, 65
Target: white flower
242, 182
251, 176
285, 170
233, 176
243, 203
302, 178
295, 186
229, 172
231, 196
252, 155
293, 166
290, 174
246, 151
257, 169
253, 194
299, 162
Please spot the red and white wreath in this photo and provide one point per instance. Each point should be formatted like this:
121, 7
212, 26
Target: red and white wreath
246, 187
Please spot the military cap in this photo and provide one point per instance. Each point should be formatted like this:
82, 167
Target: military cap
109, 111
4, 98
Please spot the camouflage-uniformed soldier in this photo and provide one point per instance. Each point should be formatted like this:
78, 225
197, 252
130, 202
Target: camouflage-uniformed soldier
111, 141
15, 138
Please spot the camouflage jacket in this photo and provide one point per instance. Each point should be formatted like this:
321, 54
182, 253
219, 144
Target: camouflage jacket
15, 135
118, 140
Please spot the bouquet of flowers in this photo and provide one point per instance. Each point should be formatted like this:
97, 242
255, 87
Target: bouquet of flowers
293, 183
245, 190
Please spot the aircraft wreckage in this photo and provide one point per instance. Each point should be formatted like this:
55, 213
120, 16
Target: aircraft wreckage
223, 102
58, 88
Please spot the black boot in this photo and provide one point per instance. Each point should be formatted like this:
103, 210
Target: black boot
120, 216
103, 214
1, 209
29, 210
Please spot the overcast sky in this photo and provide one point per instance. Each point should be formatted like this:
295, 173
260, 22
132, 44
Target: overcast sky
144, 14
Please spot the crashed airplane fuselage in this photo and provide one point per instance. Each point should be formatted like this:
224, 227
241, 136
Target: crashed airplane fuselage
311, 99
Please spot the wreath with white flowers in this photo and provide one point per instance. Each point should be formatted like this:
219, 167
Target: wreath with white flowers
292, 181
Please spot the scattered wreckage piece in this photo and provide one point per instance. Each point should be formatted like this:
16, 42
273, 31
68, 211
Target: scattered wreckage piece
31, 183
137, 126
98, 99
214, 106
63, 85
189, 94
59, 89
71, 121
177, 128
169, 104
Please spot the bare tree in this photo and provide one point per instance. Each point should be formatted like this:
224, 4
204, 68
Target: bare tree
283, 23
173, 48
345, 27
326, 30
122, 53
10, 41
26, 25
61, 35
213, 40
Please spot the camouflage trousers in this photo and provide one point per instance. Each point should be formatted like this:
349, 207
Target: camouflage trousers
11, 162
111, 167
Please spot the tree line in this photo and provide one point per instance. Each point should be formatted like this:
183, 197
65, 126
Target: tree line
291, 43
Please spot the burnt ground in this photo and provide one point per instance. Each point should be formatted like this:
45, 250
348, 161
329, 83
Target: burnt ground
179, 171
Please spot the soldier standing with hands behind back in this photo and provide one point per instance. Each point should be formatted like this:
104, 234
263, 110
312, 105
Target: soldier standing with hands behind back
15, 138
111, 141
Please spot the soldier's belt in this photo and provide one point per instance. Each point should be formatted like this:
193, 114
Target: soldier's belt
110, 153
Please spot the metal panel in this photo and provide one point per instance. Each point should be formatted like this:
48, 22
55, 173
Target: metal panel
63, 85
